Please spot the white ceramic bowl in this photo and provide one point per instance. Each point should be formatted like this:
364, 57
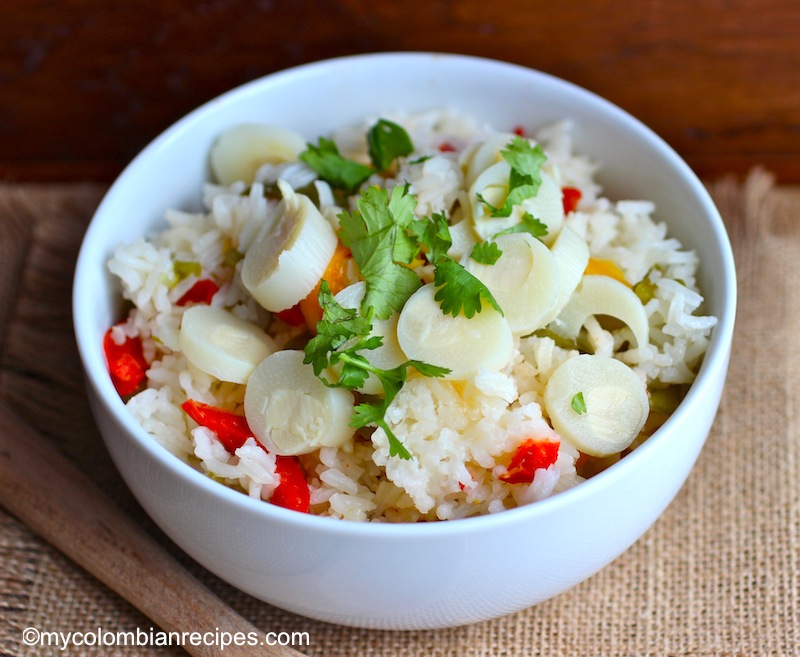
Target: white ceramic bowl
414, 575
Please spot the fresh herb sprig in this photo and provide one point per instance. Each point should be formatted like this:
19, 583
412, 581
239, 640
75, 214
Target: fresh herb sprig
340, 330
374, 413
386, 141
528, 224
524, 181
432, 236
342, 337
525, 177
459, 291
385, 237
377, 236
486, 253
333, 168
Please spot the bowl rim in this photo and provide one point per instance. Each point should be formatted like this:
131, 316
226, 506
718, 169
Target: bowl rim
714, 362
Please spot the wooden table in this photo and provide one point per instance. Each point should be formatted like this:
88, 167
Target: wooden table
85, 84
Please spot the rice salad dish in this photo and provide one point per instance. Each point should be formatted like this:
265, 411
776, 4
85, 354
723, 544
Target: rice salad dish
418, 318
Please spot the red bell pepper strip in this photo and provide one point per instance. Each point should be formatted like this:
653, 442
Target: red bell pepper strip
571, 196
528, 458
126, 363
292, 316
233, 431
292, 492
201, 292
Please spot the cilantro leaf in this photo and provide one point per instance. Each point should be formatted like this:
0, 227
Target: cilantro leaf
426, 369
376, 236
337, 326
353, 373
529, 224
578, 403
526, 160
525, 177
341, 337
459, 291
366, 414
486, 253
433, 234
401, 208
387, 141
374, 413
332, 167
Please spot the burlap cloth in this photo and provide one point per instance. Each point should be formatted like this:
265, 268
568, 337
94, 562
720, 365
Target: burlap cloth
718, 574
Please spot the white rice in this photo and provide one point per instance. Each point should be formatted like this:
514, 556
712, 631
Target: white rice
461, 434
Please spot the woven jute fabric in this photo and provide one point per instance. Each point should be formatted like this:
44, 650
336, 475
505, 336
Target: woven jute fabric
718, 573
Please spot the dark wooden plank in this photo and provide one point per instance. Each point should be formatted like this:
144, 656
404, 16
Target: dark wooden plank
40, 372
84, 84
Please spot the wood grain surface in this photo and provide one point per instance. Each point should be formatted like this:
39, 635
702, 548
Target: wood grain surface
85, 84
